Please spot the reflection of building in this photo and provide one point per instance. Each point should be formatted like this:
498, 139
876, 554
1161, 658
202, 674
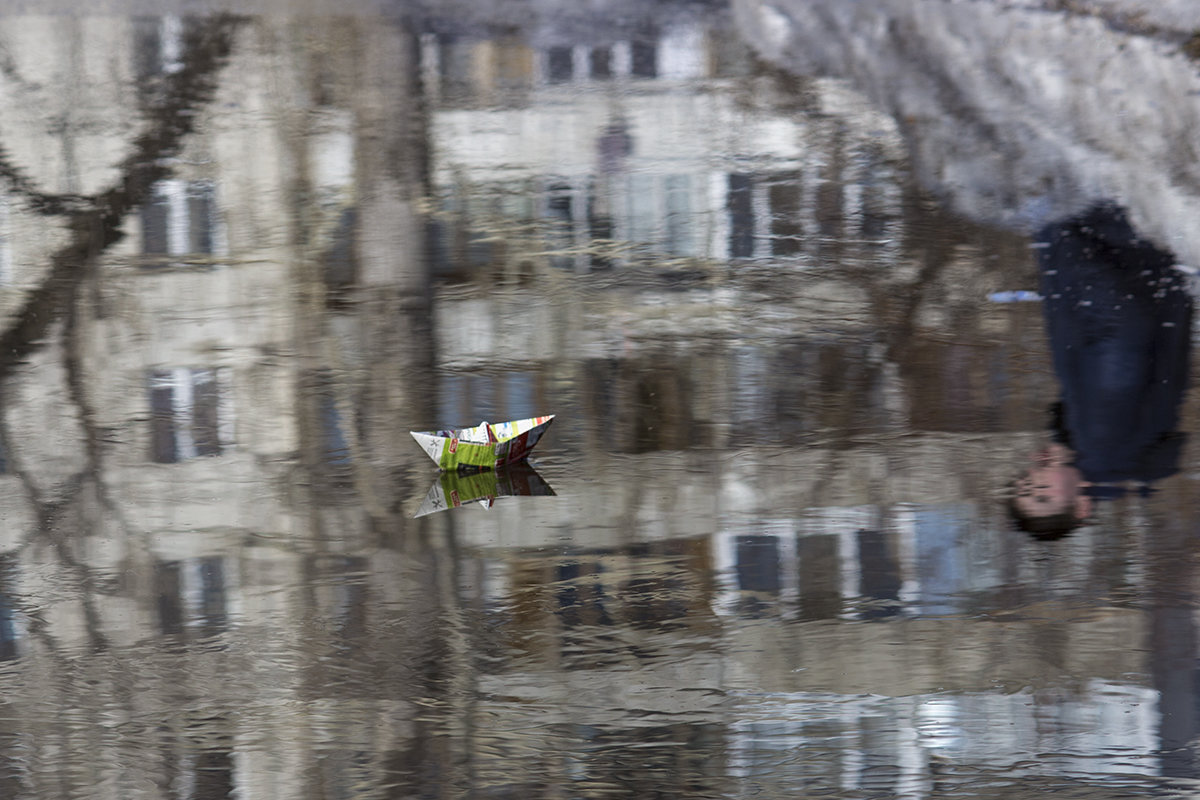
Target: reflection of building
587, 165
206, 555
173, 446
595, 166
836, 633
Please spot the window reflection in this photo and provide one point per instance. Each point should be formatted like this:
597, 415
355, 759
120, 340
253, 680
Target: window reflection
157, 46
178, 220
644, 58
600, 61
820, 591
9, 628
198, 759
586, 596
786, 229
191, 595
560, 64
189, 414
340, 260
647, 761
758, 564
741, 216
581, 602
880, 569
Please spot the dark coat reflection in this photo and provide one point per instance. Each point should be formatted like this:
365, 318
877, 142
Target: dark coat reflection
1119, 322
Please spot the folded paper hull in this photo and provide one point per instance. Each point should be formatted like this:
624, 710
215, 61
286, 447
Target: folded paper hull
484, 446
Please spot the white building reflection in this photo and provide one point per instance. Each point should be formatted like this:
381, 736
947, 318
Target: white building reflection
604, 157
786, 577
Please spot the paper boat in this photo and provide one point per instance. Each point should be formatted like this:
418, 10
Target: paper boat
454, 489
486, 446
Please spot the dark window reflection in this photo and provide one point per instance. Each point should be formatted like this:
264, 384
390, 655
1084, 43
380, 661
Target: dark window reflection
8, 621
214, 775
560, 216
197, 758
685, 760
642, 406
200, 217
211, 611
155, 224
333, 445
168, 588
340, 264
601, 62
558, 204
758, 564
644, 59
178, 219
599, 228
560, 64
162, 420
786, 230
205, 402
191, 592
157, 47
185, 414
741, 216
802, 387
875, 181
831, 201
455, 65
581, 596
880, 772
819, 577
614, 145
880, 575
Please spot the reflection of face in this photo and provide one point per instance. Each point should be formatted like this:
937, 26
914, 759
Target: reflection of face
1053, 487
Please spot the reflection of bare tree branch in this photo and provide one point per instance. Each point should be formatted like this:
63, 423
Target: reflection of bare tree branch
18, 183
48, 516
97, 226
36, 200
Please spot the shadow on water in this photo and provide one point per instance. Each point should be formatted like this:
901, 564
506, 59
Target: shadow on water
241, 257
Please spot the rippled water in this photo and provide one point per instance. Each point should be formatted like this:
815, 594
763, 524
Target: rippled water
763, 549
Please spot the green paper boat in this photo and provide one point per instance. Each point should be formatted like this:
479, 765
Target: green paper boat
486, 446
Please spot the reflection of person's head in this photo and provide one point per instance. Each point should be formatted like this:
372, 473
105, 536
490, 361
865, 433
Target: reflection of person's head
1051, 497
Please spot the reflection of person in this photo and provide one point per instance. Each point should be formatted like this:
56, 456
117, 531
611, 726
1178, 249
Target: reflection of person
1119, 321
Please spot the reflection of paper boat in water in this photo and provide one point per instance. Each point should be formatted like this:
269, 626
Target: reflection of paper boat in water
484, 446
454, 489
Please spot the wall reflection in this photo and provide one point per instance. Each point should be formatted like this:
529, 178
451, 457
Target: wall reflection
241, 257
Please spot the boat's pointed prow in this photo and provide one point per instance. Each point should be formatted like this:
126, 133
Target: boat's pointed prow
431, 444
